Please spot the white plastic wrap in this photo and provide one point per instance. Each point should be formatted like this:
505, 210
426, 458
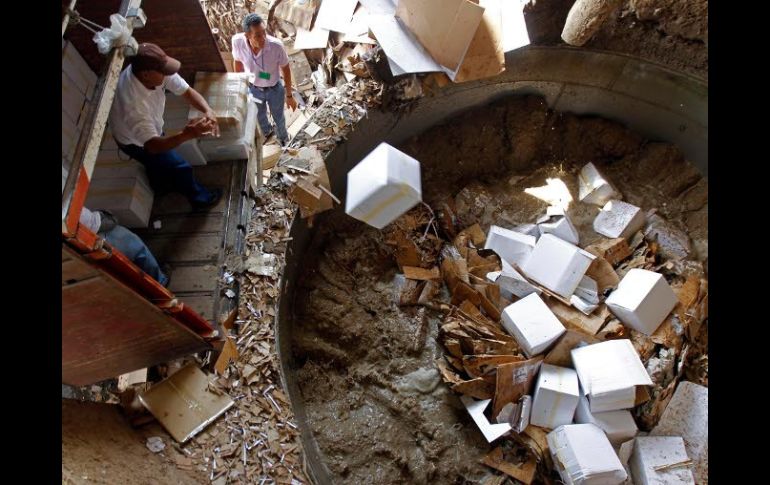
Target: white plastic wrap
116, 36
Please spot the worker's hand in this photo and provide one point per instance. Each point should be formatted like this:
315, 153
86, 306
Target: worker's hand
291, 102
199, 127
213, 117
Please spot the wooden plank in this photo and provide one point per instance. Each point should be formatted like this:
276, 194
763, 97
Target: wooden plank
191, 279
185, 224
215, 174
108, 330
186, 248
203, 305
74, 270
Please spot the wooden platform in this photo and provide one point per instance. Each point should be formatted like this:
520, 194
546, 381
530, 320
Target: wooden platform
195, 243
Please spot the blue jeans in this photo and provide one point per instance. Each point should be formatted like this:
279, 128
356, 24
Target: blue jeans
134, 249
274, 97
168, 172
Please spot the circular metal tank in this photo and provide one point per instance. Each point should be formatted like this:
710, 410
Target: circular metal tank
654, 101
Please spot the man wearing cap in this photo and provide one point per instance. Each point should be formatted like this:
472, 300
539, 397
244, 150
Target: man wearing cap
264, 57
136, 120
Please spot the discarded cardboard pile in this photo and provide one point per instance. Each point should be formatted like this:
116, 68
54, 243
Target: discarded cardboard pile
540, 333
257, 439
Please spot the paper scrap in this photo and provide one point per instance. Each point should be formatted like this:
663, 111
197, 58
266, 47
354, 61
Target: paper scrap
312, 129
444, 27
401, 47
317, 38
335, 14
476, 409
515, 33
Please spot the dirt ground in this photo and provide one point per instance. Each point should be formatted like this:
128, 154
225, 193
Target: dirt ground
670, 32
98, 446
374, 400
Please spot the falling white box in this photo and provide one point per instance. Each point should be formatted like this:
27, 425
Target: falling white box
619, 219
512, 247
651, 452
609, 373
642, 300
593, 187
557, 265
583, 455
687, 415
619, 426
532, 324
383, 186
562, 228
556, 396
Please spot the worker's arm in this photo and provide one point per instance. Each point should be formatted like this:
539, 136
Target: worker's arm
194, 129
238, 66
290, 101
198, 102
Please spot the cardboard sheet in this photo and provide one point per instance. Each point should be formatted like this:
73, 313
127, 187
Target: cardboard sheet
183, 403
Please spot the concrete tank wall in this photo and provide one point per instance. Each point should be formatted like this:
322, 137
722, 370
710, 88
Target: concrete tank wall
652, 100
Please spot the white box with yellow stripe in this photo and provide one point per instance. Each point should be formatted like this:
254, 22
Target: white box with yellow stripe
383, 186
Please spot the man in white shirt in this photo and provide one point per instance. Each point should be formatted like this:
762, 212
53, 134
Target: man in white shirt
136, 120
105, 226
264, 57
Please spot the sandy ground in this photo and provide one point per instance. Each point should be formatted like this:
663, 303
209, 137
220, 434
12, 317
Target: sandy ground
98, 446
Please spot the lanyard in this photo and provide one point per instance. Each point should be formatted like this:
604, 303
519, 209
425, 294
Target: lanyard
261, 65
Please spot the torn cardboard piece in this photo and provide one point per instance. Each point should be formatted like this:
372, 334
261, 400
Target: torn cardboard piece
514, 380
517, 414
444, 27
476, 409
297, 12
127, 380
415, 273
524, 472
229, 353
485, 56
184, 403
561, 355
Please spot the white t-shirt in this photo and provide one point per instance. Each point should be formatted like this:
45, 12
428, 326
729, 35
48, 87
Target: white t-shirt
92, 220
137, 112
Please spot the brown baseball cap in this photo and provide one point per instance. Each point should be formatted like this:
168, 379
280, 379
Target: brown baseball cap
150, 57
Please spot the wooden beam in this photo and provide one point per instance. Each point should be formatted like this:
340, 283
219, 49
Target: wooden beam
66, 19
90, 139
